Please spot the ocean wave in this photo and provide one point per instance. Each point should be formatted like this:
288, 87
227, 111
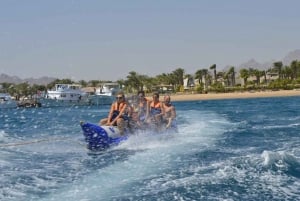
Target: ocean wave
281, 161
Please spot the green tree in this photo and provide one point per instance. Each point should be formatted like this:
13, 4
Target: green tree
83, 83
244, 73
295, 69
134, 81
178, 75
23, 89
263, 73
205, 76
214, 68
278, 68
257, 75
199, 75
231, 76
94, 83
287, 72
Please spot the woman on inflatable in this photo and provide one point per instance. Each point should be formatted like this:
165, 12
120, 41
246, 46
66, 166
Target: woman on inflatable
139, 110
155, 111
117, 116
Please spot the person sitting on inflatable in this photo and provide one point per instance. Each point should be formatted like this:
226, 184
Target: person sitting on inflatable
139, 110
155, 111
169, 118
117, 116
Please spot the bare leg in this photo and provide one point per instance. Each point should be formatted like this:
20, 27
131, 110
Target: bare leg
103, 121
121, 125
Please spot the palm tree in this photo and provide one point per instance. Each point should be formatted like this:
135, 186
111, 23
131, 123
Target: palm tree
23, 88
257, 74
190, 79
94, 83
205, 73
287, 72
263, 73
295, 68
162, 78
5, 86
244, 73
82, 83
149, 82
278, 67
214, 67
199, 75
231, 75
226, 79
178, 73
172, 79
121, 83
144, 80
133, 81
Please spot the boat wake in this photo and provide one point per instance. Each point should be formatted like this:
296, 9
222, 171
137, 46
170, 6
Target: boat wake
145, 160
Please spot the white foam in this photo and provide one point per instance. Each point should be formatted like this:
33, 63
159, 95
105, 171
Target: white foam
154, 157
3, 136
280, 159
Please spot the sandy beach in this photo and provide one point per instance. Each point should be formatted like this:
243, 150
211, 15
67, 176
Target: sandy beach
234, 95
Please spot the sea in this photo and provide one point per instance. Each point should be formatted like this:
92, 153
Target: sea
234, 149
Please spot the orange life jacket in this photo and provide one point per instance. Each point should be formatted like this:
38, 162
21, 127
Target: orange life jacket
155, 108
119, 107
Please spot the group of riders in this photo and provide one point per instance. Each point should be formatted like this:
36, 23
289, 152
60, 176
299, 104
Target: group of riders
139, 112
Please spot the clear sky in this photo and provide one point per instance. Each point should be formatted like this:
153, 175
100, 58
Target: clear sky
105, 40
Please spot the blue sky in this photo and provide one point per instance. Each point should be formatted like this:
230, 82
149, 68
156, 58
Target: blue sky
105, 40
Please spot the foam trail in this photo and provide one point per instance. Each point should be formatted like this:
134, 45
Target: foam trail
3, 136
154, 158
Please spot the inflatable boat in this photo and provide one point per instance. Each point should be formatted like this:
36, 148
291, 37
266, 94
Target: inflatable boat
100, 138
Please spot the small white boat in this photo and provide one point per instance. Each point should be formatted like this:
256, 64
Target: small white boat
105, 94
6, 101
65, 94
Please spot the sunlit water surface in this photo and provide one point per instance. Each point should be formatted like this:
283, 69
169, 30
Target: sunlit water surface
243, 149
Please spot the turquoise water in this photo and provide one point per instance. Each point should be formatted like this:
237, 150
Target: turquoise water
242, 149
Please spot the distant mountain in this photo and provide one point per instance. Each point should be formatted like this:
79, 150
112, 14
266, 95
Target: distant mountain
252, 63
10, 79
31, 81
294, 55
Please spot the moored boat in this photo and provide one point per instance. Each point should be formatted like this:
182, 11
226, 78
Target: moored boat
65, 95
29, 103
6, 101
105, 94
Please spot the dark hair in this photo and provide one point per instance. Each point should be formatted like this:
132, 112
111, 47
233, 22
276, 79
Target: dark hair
156, 94
121, 93
141, 92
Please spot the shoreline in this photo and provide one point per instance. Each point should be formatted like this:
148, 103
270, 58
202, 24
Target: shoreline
232, 95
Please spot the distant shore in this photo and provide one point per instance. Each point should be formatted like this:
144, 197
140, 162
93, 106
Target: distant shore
233, 95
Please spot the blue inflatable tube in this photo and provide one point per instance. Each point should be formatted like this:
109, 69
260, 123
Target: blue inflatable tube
101, 137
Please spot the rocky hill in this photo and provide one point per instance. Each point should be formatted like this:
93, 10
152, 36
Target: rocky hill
294, 55
31, 81
252, 63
